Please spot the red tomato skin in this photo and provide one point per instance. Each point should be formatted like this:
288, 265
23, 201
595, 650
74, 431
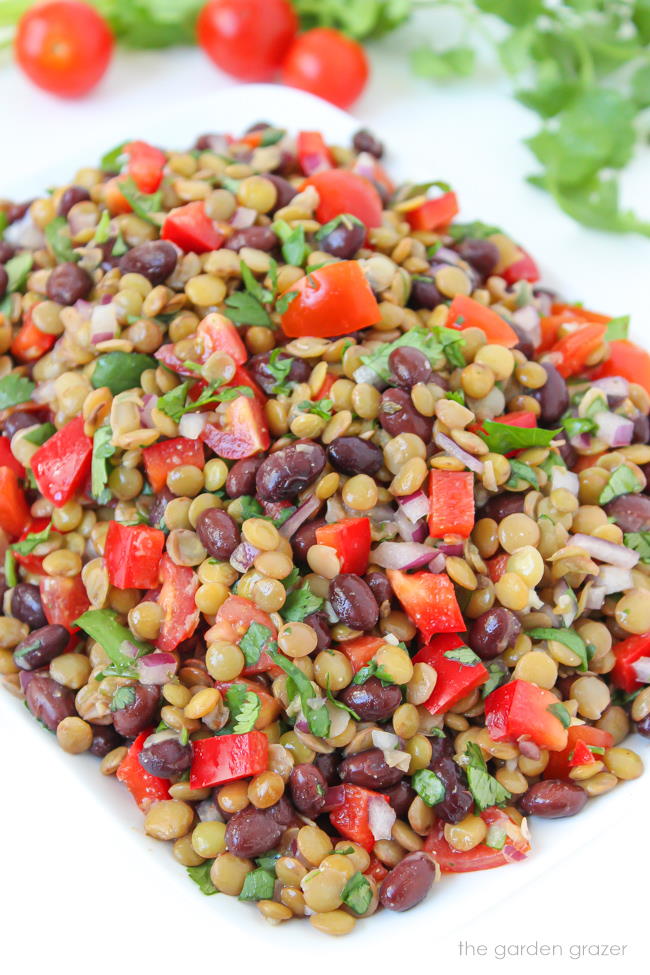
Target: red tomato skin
64, 600
162, 457
626, 359
434, 213
328, 64
247, 39
334, 300
190, 228
559, 764
146, 164
7, 459
244, 433
180, 617
132, 555
482, 857
341, 191
14, 510
63, 46
360, 650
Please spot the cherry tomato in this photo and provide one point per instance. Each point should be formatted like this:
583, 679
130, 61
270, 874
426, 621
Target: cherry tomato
247, 38
481, 857
327, 64
341, 191
626, 359
334, 300
64, 46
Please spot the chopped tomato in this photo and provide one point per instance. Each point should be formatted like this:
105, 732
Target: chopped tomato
579, 314
571, 353
164, 456
376, 869
64, 599
455, 679
521, 709
626, 359
30, 343
132, 555
342, 191
523, 269
481, 857
180, 616
334, 300
233, 619
313, 153
497, 566
143, 786
227, 758
190, 228
589, 460
216, 333
451, 503
429, 600
62, 465
579, 737
628, 653
360, 650
114, 199
324, 391
350, 538
145, 166
7, 459
14, 510
244, 432
434, 214
351, 819
465, 312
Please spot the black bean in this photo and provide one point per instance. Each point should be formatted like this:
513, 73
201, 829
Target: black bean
20, 420
165, 758
218, 533
568, 454
142, 712
493, 632
288, 471
155, 260
68, 283
26, 605
398, 415
641, 430
344, 240
49, 702
380, 587
70, 197
400, 797
6, 251
631, 512
482, 254
241, 477
371, 700
4, 281
500, 506
408, 883
409, 366
424, 293
283, 812
252, 832
458, 800
319, 623
643, 726
16, 211
303, 539
370, 770
258, 367
553, 396
553, 799
353, 602
159, 506
261, 238
286, 190
308, 789
105, 739
352, 455
328, 767
525, 343
365, 141
41, 646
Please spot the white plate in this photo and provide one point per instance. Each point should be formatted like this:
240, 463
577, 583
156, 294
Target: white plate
91, 822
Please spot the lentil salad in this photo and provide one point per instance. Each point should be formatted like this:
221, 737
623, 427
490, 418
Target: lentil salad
237, 565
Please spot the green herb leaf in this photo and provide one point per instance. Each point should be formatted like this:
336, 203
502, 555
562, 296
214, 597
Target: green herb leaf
457, 395
255, 640
41, 433
452, 343
317, 717
501, 438
142, 204
300, 603
575, 425
463, 655
102, 231
294, 247
113, 160
455, 62
622, 481
618, 328
269, 860
429, 786
248, 714
417, 338
569, 638
521, 472
123, 697
323, 408
32, 541
499, 674
639, 542
121, 370
477, 230
357, 893
15, 389
372, 669
99, 467
280, 366
245, 309
102, 626
173, 401
18, 269
483, 786
120, 246
284, 301
339, 704
57, 234
11, 575
258, 886
201, 877
561, 713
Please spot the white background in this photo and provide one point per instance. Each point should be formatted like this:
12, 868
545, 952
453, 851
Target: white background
81, 889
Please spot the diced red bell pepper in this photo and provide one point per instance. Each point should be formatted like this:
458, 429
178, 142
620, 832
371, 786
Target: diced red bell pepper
180, 616
455, 680
562, 314
360, 650
579, 738
481, 857
429, 600
64, 599
216, 333
244, 432
132, 555
62, 465
465, 312
342, 191
571, 353
334, 300
451, 503
145, 165
350, 538
434, 214
626, 359
7, 459
164, 456
29, 342
520, 709
628, 653
351, 818
313, 153
143, 786
14, 510
33, 563
226, 758
523, 269
190, 228
232, 621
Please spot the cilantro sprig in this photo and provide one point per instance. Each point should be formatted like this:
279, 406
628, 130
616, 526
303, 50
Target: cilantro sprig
484, 787
177, 402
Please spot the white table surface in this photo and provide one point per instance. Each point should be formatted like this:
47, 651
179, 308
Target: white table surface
72, 902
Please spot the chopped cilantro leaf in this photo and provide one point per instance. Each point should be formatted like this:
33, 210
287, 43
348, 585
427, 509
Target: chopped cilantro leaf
142, 204
561, 713
201, 877
417, 338
41, 433
372, 669
622, 481
300, 603
501, 438
317, 717
99, 468
15, 389
521, 472
639, 542
357, 893
255, 640
462, 655
569, 638
429, 787
280, 366
483, 786
32, 541
258, 886
57, 234
248, 714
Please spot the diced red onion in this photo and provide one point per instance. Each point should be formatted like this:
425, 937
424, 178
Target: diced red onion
401, 555
244, 556
243, 217
605, 551
24, 233
334, 798
438, 563
218, 143
615, 386
300, 515
103, 323
149, 401
365, 165
641, 668
562, 478
415, 506
451, 447
334, 511
451, 548
157, 668
208, 812
384, 739
312, 162
581, 441
447, 256
45, 392
595, 597
614, 430
381, 817
83, 308
527, 319
364, 374
512, 854
614, 578
191, 425
529, 748
408, 531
